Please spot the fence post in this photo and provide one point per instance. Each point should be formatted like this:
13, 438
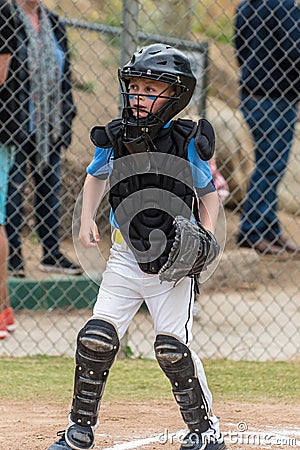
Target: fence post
129, 34
129, 40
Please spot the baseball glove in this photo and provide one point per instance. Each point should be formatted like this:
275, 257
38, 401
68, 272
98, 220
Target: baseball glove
194, 248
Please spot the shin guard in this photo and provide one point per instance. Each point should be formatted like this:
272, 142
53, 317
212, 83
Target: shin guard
176, 361
97, 346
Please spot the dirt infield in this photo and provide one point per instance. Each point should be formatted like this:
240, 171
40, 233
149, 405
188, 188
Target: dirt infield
151, 425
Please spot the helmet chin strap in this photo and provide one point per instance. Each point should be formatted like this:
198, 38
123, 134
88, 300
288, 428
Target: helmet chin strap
142, 144
136, 127
137, 131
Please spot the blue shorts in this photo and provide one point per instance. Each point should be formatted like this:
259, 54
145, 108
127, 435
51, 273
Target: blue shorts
6, 160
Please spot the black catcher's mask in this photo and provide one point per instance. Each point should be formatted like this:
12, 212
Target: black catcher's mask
162, 63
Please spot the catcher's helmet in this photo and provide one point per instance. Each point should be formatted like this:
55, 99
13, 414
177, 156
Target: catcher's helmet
162, 63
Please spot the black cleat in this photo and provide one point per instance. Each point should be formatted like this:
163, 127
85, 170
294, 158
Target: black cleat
58, 263
61, 443
196, 441
75, 437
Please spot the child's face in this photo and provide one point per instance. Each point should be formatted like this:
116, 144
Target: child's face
143, 94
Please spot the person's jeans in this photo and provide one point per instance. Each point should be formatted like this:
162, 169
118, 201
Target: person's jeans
272, 125
46, 198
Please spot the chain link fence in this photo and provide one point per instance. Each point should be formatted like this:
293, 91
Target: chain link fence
249, 308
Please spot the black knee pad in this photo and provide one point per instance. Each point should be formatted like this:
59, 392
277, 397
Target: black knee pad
97, 346
97, 342
176, 361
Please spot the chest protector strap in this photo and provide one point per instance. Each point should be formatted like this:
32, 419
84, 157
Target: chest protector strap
203, 134
105, 136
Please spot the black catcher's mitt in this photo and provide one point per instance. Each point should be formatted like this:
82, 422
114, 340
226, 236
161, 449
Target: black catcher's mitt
194, 248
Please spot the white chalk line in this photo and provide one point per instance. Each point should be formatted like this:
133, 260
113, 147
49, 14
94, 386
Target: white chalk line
273, 438
140, 442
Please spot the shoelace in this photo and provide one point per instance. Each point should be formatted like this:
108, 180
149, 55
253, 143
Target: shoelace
62, 434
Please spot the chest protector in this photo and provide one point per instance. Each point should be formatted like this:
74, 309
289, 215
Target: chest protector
150, 184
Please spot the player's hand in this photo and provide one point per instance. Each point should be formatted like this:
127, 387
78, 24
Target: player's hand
89, 234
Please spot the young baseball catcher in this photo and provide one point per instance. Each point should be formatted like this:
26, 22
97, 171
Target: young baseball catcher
164, 208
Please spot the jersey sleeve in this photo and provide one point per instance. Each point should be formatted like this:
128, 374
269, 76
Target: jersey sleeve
202, 176
101, 164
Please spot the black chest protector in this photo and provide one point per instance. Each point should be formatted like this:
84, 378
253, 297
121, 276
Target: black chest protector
149, 188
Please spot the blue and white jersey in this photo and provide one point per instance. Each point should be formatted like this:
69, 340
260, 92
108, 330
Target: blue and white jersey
102, 164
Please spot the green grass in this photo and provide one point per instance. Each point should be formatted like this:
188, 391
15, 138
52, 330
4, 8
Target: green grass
46, 378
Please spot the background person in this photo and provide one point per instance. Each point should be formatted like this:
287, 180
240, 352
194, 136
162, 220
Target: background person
37, 111
267, 41
7, 322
